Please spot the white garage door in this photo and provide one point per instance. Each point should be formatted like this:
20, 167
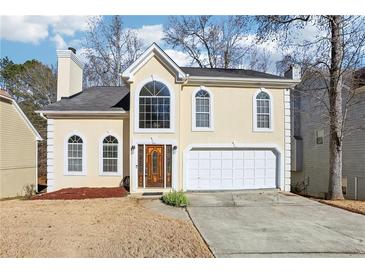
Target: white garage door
221, 169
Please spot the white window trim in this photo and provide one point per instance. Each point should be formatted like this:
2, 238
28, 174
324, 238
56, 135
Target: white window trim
137, 91
119, 160
65, 156
254, 112
193, 110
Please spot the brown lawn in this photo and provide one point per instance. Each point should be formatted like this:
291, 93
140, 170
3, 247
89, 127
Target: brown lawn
113, 227
351, 205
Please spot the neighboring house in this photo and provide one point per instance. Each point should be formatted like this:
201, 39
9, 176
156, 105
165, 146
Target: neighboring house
170, 127
18, 149
310, 169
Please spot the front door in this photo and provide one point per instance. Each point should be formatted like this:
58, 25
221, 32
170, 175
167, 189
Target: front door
155, 166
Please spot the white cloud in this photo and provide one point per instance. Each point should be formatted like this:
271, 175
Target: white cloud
180, 58
22, 29
58, 40
33, 29
150, 33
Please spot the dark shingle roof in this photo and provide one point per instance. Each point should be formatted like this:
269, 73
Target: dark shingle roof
235, 73
94, 99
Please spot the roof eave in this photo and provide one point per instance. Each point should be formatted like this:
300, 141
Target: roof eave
285, 83
83, 113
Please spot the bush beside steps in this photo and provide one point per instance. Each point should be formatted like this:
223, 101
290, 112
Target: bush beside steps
175, 198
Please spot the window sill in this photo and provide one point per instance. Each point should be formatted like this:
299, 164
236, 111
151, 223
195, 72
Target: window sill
263, 130
74, 174
154, 130
110, 174
202, 129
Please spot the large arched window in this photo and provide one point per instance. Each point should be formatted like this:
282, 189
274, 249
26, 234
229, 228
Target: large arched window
110, 154
154, 106
75, 154
263, 111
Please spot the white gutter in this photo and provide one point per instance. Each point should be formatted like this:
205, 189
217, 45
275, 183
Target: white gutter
243, 80
71, 112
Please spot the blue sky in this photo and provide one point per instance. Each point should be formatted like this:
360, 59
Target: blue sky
38, 37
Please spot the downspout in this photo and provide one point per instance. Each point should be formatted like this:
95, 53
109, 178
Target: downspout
181, 158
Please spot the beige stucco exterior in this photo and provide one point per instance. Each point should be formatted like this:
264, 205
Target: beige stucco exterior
69, 74
92, 131
233, 112
233, 117
18, 150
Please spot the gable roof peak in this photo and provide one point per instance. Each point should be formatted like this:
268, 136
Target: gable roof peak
153, 51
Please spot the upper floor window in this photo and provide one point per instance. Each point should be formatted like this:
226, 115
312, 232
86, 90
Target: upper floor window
202, 110
75, 154
110, 154
263, 111
154, 106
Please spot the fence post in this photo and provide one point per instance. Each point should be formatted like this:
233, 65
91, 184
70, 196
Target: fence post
355, 188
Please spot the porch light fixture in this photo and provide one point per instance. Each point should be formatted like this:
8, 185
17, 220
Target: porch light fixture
133, 148
174, 148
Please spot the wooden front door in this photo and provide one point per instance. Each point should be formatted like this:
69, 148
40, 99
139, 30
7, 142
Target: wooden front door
155, 166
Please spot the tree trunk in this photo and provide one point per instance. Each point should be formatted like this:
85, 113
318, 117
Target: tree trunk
335, 105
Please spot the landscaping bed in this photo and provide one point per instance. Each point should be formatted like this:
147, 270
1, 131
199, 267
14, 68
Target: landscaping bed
82, 193
351, 205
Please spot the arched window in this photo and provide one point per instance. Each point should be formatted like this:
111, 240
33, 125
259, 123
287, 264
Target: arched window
263, 110
202, 109
154, 106
110, 154
74, 154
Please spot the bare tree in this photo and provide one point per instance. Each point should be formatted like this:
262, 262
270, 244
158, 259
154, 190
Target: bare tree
259, 60
334, 50
210, 42
110, 48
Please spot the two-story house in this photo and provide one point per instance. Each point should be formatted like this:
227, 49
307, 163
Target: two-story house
170, 128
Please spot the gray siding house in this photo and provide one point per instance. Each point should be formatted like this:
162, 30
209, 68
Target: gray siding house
310, 140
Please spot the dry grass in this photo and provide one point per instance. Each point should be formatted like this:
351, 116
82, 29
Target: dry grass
114, 227
351, 205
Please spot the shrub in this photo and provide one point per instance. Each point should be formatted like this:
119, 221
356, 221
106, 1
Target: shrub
176, 198
29, 191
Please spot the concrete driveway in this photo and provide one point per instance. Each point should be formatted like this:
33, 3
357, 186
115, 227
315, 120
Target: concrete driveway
275, 224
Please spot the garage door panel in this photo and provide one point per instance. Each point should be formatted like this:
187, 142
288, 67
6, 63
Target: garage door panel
231, 169
238, 163
216, 164
227, 163
204, 163
216, 173
248, 163
193, 163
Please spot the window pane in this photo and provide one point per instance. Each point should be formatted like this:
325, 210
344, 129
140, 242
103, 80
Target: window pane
154, 109
202, 120
74, 154
110, 155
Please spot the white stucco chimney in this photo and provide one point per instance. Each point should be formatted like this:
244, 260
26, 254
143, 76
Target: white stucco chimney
294, 72
69, 77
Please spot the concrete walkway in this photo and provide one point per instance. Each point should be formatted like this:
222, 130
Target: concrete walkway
274, 224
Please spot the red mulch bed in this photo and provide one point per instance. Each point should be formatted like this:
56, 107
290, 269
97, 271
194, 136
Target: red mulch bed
82, 193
